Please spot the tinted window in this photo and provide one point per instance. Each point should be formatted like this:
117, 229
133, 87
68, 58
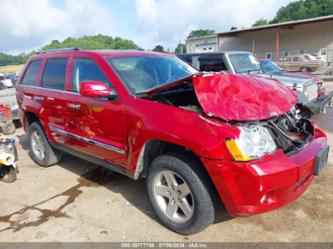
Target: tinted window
54, 74
212, 64
31, 73
86, 70
244, 63
270, 67
296, 59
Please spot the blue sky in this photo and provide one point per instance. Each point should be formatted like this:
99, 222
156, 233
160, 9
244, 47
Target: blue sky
29, 24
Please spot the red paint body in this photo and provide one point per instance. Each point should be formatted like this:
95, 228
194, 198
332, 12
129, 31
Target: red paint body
128, 123
243, 100
5, 113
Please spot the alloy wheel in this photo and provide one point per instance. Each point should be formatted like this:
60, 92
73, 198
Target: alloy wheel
173, 196
37, 144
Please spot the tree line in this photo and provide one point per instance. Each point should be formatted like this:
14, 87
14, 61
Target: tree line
298, 10
85, 42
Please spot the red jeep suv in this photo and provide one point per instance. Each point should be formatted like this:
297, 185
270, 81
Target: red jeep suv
198, 139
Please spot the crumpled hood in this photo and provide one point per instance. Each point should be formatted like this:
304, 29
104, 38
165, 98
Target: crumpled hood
242, 97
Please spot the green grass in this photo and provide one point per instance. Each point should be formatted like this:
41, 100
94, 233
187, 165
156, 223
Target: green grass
11, 68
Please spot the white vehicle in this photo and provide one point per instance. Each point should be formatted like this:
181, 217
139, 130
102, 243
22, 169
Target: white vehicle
5, 82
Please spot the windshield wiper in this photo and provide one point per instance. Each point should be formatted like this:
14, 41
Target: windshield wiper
254, 70
249, 70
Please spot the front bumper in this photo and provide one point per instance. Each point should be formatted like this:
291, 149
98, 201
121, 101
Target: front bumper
320, 104
265, 184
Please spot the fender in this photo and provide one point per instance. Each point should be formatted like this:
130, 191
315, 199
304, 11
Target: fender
210, 133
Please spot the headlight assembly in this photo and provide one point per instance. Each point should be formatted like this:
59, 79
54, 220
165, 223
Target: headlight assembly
254, 141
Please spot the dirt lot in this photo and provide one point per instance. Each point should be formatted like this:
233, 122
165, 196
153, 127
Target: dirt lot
78, 201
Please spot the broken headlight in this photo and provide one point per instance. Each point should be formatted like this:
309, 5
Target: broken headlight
254, 141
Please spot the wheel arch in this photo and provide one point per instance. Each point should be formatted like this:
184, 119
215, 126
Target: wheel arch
153, 148
29, 118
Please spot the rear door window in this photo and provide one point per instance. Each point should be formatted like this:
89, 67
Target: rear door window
55, 73
86, 70
30, 75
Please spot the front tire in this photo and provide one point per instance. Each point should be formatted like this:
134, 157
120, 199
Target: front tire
180, 193
40, 149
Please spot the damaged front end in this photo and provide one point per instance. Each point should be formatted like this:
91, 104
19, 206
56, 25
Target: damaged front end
291, 132
263, 110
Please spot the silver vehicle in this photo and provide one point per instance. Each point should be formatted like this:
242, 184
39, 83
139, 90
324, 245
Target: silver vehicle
309, 89
5, 82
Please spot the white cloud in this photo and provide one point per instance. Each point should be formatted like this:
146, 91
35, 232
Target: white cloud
27, 24
168, 21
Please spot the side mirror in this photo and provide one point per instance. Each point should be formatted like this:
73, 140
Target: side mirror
97, 89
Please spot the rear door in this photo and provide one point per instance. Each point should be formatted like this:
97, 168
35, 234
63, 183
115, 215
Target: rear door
26, 90
97, 125
54, 96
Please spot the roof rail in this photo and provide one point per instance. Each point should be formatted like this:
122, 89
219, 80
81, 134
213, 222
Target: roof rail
57, 50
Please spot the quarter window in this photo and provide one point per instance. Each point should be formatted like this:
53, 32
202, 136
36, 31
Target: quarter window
55, 73
86, 70
31, 73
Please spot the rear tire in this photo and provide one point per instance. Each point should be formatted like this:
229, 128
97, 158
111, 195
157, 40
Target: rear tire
40, 149
193, 206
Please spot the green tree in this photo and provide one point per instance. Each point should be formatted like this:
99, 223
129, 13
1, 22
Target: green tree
86, 42
180, 49
93, 42
233, 28
158, 48
260, 22
201, 32
303, 9
7, 59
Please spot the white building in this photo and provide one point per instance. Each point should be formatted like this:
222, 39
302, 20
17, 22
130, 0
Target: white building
279, 41
201, 44
274, 41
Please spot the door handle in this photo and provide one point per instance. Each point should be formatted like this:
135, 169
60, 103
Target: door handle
73, 106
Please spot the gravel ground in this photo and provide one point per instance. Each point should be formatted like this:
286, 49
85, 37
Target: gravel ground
78, 201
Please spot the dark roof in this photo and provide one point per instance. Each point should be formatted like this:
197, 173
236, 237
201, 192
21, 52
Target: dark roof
278, 25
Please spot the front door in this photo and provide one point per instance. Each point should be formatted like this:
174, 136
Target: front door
97, 126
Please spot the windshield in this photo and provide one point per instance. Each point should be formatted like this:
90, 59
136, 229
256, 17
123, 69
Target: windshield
270, 67
244, 63
144, 73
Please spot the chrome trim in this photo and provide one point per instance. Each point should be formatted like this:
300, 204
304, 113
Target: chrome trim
87, 140
50, 89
